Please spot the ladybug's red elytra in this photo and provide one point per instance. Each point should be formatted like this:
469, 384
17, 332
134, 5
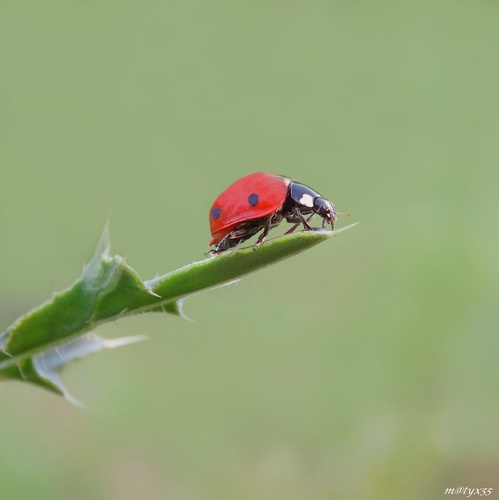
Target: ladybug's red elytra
261, 201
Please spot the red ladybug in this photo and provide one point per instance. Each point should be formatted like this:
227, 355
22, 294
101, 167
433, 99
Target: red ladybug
260, 201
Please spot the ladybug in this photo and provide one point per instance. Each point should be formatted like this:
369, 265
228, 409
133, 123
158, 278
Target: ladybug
260, 201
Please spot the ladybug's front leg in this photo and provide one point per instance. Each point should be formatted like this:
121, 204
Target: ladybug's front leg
294, 215
289, 231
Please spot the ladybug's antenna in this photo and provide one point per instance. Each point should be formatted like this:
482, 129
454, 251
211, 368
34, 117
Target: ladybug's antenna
332, 218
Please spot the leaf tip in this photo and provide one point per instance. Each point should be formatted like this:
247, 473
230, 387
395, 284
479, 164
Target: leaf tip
346, 228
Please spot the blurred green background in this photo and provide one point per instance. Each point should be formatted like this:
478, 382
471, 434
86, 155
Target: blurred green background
364, 368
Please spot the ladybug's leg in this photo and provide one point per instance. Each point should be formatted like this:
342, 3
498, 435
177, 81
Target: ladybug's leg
224, 244
269, 223
295, 214
234, 238
289, 231
243, 232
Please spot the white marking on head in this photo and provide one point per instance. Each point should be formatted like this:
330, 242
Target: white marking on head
307, 200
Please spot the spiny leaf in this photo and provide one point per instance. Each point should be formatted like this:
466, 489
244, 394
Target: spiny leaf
37, 345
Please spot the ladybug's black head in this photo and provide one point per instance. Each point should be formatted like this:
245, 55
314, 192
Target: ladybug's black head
325, 209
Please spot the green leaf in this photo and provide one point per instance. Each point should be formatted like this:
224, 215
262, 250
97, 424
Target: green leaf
37, 345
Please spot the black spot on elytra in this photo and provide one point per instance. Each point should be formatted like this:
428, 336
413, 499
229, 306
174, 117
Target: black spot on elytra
216, 213
253, 199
